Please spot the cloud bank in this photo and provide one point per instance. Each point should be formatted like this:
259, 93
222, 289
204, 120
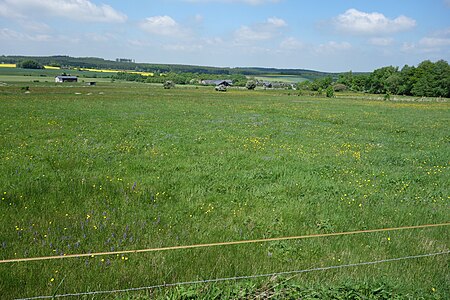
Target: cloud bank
251, 2
260, 31
361, 23
77, 10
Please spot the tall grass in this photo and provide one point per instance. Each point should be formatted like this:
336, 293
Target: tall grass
128, 166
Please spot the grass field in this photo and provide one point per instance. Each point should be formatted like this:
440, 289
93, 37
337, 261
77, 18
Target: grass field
18, 75
122, 166
9, 72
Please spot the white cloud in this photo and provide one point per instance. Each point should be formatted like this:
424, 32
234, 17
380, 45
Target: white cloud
198, 18
332, 47
78, 10
408, 47
163, 25
101, 37
8, 34
11, 35
183, 47
447, 2
251, 2
357, 22
6, 11
214, 41
136, 43
260, 31
291, 43
377, 41
436, 41
12, 13
276, 22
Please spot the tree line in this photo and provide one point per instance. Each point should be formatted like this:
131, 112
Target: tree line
180, 78
428, 79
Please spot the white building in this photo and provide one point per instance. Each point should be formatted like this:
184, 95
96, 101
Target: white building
66, 78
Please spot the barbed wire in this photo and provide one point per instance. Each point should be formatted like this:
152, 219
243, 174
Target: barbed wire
215, 280
26, 259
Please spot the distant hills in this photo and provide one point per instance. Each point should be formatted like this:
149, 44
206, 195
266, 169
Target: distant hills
100, 63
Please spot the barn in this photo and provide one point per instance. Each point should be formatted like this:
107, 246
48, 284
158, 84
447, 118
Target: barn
66, 78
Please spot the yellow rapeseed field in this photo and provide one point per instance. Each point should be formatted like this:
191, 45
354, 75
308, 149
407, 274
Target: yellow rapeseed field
85, 69
116, 71
7, 65
52, 68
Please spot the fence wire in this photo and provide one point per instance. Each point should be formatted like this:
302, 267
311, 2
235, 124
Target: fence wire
295, 272
182, 247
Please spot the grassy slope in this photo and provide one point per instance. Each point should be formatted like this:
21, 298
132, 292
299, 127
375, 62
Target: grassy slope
127, 166
99, 63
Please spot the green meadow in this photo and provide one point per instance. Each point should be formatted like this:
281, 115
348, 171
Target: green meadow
19, 75
124, 166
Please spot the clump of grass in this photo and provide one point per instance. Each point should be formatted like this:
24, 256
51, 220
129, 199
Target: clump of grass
282, 288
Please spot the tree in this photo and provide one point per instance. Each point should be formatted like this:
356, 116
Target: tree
392, 83
407, 80
251, 85
361, 83
432, 79
440, 86
346, 79
378, 79
30, 64
304, 85
326, 82
129, 77
321, 83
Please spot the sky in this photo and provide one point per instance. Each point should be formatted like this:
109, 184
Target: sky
323, 35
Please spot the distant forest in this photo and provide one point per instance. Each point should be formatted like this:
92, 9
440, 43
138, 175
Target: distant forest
100, 63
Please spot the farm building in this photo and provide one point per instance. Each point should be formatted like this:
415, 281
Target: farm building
66, 78
217, 82
267, 84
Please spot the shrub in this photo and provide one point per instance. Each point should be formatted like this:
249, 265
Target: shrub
339, 87
29, 64
251, 85
329, 91
221, 88
169, 84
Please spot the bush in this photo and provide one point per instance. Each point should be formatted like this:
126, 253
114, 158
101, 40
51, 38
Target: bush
128, 77
221, 88
30, 64
251, 85
339, 87
329, 91
169, 84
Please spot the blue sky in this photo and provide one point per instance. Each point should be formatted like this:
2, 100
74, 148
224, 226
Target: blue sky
326, 35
